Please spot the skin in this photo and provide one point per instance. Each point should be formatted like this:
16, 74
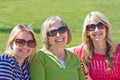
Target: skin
99, 38
21, 53
58, 42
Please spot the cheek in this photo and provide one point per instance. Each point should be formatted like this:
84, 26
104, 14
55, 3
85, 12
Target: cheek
14, 47
11, 45
105, 33
88, 33
50, 39
67, 36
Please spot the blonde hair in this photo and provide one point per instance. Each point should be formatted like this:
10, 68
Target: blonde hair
15, 31
45, 27
88, 49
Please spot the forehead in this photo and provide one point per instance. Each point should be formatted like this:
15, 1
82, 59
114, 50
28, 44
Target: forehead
55, 25
93, 20
24, 35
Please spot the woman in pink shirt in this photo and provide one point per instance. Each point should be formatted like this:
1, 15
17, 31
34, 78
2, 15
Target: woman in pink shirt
98, 52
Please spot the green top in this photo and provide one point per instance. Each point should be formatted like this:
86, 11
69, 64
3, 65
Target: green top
45, 66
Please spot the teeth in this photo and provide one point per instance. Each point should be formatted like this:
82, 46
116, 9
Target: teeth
97, 35
24, 51
59, 40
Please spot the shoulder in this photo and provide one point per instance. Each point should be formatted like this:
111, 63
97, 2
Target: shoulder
6, 61
118, 48
5, 57
71, 49
118, 45
79, 47
70, 54
38, 53
117, 53
39, 56
6, 67
79, 50
41, 53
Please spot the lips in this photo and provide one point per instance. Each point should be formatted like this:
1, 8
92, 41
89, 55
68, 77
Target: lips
98, 34
59, 40
24, 51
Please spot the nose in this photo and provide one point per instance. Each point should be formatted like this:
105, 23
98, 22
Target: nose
96, 28
58, 34
25, 45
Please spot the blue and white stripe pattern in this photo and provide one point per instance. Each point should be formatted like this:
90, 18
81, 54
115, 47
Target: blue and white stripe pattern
10, 70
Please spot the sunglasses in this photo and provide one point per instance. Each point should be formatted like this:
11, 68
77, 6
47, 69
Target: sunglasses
22, 42
92, 27
53, 33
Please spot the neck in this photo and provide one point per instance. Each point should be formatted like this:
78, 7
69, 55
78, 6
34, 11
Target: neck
59, 53
20, 61
100, 48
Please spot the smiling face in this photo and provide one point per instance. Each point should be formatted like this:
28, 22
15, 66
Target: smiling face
98, 34
22, 52
60, 39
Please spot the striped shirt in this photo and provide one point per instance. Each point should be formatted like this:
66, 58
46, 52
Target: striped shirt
10, 70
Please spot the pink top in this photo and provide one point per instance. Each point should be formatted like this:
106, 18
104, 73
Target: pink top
99, 66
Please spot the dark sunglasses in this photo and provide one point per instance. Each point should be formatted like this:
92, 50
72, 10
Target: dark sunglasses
92, 27
22, 42
53, 33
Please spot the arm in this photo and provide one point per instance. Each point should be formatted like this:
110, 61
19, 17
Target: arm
37, 71
5, 69
79, 51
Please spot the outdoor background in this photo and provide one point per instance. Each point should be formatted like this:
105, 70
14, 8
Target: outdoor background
34, 12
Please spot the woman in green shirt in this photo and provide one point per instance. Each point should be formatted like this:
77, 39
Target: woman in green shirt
53, 61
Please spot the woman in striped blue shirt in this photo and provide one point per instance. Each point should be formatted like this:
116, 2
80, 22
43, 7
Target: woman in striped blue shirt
20, 48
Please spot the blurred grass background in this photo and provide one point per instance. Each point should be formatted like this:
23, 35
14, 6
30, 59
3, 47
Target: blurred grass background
13, 12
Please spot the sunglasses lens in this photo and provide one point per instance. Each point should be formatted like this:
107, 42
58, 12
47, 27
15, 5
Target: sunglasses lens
100, 25
91, 27
52, 33
62, 30
20, 42
31, 43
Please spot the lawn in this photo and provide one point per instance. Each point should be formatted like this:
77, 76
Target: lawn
34, 12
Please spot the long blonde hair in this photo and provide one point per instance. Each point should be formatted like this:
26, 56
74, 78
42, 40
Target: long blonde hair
88, 49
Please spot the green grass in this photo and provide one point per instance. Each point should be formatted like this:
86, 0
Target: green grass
34, 12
